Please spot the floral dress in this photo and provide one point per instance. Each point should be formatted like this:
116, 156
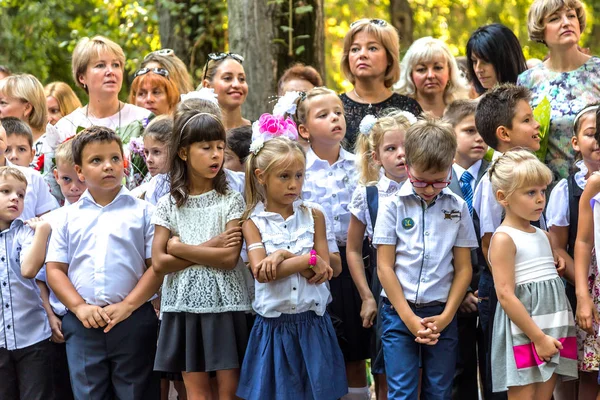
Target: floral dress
568, 93
588, 346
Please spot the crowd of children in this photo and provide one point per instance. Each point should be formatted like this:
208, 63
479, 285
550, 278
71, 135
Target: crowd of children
392, 253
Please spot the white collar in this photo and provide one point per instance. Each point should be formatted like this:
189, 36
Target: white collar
312, 157
473, 169
87, 196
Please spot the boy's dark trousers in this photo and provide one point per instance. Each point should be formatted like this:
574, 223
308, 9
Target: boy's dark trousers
118, 364
25, 373
470, 338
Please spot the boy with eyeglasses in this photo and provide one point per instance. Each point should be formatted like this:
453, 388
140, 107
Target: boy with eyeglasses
424, 236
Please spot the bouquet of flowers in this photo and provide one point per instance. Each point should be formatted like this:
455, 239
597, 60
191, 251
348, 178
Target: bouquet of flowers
137, 161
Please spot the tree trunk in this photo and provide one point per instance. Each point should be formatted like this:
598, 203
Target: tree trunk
169, 39
402, 19
251, 34
311, 24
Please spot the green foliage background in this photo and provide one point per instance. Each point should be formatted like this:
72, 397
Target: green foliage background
38, 37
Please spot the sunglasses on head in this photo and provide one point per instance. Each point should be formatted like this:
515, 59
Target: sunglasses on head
162, 52
375, 21
158, 71
423, 184
221, 56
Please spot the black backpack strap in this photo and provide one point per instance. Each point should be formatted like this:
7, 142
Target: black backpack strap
373, 203
574, 192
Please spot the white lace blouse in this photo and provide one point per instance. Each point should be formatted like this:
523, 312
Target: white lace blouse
359, 207
292, 294
200, 288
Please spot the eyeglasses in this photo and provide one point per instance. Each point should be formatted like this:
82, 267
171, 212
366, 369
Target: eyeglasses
221, 56
379, 22
158, 71
161, 52
423, 184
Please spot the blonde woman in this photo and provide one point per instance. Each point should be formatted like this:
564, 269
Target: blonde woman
430, 75
22, 96
61, 100
569, 78
370, 63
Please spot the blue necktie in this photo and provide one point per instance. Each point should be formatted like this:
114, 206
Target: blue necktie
467, 190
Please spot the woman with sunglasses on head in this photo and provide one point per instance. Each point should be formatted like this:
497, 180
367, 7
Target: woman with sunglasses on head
370, 63
153, 90
225, 74
178, 72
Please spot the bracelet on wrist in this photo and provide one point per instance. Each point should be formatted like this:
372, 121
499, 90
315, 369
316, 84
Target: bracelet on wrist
312, 261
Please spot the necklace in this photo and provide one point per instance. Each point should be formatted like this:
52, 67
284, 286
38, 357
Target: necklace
87, 109
363, 100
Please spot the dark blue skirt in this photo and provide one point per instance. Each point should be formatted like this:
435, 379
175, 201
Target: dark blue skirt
294, 356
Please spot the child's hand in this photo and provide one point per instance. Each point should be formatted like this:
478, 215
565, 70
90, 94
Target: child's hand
469, 304
323, 272
547, 347
422, 334
56, 327
561, 266
586, 314
117, 312
368, 312
173, 241
91, 316
230, 238
38, 223
307, 273
268, 265
437, 323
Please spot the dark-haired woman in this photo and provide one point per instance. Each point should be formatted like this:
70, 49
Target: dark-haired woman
494, 56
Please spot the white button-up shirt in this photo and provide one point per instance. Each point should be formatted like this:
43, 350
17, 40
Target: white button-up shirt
105, 247
331, 186
557, 211
424, 237
23, 320
473, 170
292, 294
359, 206
38, 199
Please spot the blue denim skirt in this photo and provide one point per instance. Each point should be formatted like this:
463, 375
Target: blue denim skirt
294, 356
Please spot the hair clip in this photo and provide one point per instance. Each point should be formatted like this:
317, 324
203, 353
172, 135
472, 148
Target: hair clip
286, 104
204, 93
367, 124
409, 116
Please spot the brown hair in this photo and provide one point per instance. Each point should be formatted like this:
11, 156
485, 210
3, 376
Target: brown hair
459, 110
540, 9
386, 35
14, 126
192, 126
497, 107
93, 134
430, 145
300, 71
178, 71
14, 172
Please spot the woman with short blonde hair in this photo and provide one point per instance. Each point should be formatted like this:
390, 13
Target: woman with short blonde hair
568, 79
22, 96
98, 66
430, 75
370, 61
